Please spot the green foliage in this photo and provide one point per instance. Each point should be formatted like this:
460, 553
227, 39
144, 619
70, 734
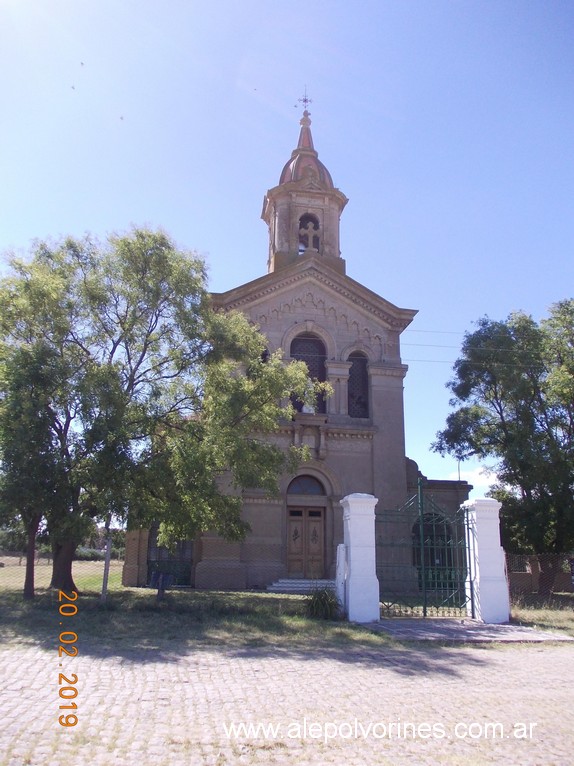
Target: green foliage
97, 538
514, 393
323, 604
88, 554
43, 549
13, 539
122, 392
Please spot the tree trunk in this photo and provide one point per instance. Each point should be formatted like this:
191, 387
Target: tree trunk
104, 594
62, 566
32, 530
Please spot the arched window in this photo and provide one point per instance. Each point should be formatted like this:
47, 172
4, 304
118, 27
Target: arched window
358, 386
310, 349
308, 233
305, 485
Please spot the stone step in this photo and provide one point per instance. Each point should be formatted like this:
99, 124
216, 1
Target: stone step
302, 587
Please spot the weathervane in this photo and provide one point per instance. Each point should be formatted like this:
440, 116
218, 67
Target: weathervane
305, 100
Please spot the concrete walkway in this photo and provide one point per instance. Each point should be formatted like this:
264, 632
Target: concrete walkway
465, 631
424, 704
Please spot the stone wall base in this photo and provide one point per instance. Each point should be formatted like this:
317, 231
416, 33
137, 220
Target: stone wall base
220, 574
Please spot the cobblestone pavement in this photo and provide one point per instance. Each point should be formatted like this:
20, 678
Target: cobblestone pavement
448, 705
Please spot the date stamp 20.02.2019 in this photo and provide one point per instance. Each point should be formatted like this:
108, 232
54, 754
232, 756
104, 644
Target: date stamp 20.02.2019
67, 647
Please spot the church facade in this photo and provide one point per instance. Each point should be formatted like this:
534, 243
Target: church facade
348, 335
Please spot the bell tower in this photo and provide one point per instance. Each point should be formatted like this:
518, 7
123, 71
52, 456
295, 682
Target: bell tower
303, 210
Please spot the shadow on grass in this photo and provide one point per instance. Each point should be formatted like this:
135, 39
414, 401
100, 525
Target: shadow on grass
136, 628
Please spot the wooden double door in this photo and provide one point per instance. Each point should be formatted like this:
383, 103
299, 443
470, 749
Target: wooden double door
306, 542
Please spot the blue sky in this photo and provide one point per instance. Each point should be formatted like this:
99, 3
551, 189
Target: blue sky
448, 124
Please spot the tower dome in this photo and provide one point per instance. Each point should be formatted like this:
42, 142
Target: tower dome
305, 162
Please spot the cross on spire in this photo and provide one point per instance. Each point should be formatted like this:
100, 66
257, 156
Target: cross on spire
305, 100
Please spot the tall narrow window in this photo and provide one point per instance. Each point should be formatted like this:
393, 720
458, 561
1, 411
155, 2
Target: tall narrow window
358, 404
308, 233
311, 350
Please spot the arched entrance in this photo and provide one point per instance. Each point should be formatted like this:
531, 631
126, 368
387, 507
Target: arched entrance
306, 508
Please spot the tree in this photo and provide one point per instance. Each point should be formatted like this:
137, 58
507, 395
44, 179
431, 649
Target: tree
514, 389
30, 468
137, 391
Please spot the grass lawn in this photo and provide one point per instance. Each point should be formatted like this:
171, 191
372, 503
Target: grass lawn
132, 617
88, 575
553, 613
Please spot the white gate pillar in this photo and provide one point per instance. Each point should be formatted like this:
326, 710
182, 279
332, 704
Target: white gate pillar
361, 586
486, 579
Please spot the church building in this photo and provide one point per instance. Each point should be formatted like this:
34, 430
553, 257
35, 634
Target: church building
348, 335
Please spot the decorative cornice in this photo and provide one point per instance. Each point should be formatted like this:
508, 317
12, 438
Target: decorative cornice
310, 270
259, 500
391, 371
348, 434
333, 431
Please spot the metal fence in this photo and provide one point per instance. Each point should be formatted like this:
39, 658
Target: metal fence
541, 573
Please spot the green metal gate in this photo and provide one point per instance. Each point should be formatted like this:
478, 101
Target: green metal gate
422, 560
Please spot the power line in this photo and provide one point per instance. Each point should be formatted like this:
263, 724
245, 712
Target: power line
440, 332
486, 364
429, 361
428, 345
